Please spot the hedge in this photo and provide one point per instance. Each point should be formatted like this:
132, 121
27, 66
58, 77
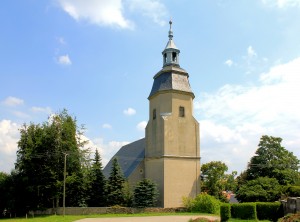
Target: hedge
225, 212
244, 211
269, 211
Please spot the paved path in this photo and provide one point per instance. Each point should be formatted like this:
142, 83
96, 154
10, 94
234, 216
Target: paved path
148, 219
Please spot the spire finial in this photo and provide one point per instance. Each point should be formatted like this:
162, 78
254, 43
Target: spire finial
170, 31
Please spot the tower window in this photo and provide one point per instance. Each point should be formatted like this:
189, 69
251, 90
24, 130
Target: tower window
154, 114
165, 57
174, 57
181, 111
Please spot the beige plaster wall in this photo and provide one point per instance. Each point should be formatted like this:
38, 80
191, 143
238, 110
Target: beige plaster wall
137, 175
154, 171
173, 148
182, 179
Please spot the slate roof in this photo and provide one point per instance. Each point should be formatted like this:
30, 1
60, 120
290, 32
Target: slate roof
129, 157
171, 78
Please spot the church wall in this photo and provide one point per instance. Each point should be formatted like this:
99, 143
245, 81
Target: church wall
182, 179
155, 128
181, 133
137, 175
154, 171
175, 140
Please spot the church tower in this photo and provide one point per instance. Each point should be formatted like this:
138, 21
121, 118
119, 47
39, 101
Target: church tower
172, 152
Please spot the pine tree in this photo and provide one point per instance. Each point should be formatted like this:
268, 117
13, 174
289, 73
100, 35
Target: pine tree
145, 194
115, 186
97, 194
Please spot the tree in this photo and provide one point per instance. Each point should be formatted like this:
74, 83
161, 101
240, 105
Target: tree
145, 194
116, 185
4, 198
274, 161
97, 191
213, 174
231, 183
40, 163
262, 189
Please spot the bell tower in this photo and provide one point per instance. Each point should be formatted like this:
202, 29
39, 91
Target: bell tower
172, 153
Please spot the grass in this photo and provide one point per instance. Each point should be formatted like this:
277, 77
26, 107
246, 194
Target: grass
230, 220
71, 218
239, 220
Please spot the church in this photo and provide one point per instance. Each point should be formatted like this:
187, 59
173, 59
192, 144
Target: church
169, 155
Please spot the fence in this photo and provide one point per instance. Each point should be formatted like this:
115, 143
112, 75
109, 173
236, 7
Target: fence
291, 205
104, 210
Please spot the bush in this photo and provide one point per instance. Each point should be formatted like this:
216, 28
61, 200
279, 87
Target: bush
203, 203
225, 212
188, 203
292, 191
244, 211
269, 211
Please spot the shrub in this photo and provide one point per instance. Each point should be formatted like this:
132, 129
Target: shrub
244, 211
225, 212
188, 203
269, 211
292, 191
205, 203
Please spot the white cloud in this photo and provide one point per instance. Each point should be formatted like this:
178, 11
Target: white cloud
250, 52
281, 3
153, 9
46, 110
236, 116
129, 112
64, 60
228, 62
106, 126
9, 135
13, 101
103, 12
141, 126
107, 150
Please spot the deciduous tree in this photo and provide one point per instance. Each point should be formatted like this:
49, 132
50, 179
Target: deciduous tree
262, 189
273, 160
213, 177
40, 162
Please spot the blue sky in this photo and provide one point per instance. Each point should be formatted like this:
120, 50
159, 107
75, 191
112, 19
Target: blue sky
97, 59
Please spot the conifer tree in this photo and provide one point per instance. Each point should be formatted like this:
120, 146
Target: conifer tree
97, 194
145, 194
115, 187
